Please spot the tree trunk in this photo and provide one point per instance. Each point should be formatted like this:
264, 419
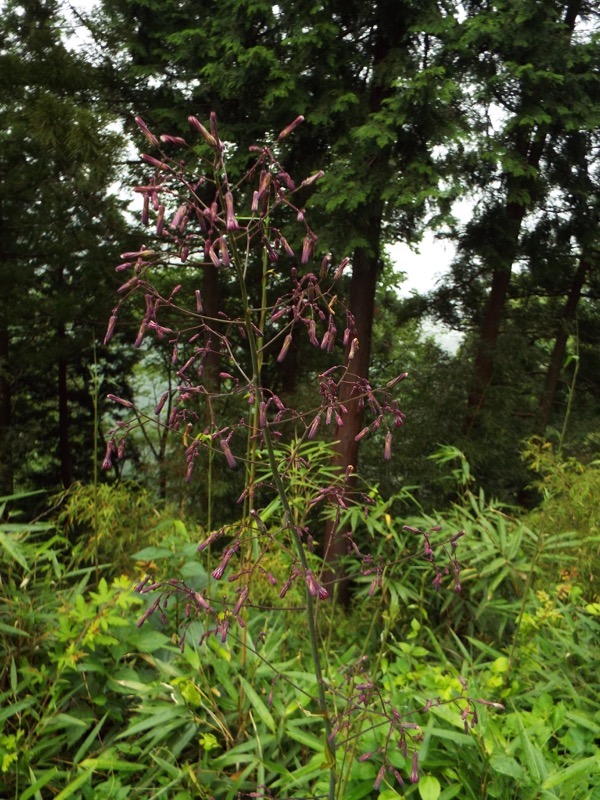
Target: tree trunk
529, 146
560, 343
365, 268
493, 315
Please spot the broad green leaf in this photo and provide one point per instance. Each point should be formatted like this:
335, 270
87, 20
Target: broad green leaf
506, 765
258, 705
429, 787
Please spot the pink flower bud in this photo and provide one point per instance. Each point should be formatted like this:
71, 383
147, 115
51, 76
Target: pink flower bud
414, 775
208, 137
139, 338
353, 348
111, 329
155, 162
289, 128
160, 220
107, 463
145, 210
129, 285
131, 256
362, 434
387, 452
161, 403
173, 140
285, 347
231, 222
313, 428
240, 602
340, 269
120, 400
145, 130
262, 415
310, 180
224, 252
396, 381
179, 215
228, 454
286, 246
265, 182
307, 247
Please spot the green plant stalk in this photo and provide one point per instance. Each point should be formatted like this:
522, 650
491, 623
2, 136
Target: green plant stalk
527, 589
96, 456
251, 443
287, 513
570, 396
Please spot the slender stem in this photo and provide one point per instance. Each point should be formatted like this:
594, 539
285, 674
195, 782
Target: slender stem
574, 358
287, 514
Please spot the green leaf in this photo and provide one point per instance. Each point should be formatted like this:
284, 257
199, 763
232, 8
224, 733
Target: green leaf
258, 704
74, 785
15, 708
506, 765
112, 763
152, 554
13, 550
532, 755
42, 781
87, 742
307, 739
429, 787
588, 766
451, 791
14, 631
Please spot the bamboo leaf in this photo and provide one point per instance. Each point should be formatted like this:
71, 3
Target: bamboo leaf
587, 765
70, 790
258, 705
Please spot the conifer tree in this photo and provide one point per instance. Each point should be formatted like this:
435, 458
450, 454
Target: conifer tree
59, 230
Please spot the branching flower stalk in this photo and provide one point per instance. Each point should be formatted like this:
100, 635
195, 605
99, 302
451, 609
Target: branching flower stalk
198, 223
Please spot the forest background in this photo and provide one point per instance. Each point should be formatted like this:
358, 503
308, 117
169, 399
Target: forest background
414, 111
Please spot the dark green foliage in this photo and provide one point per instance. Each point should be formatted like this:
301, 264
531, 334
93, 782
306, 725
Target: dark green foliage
60, 227
96, 707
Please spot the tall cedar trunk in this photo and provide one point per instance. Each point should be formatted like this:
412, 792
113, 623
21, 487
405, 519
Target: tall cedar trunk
493, 315
390, 33
560, 344
529, 145
362, 304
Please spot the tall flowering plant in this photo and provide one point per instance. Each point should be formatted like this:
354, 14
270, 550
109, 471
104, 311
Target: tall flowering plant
203, 220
